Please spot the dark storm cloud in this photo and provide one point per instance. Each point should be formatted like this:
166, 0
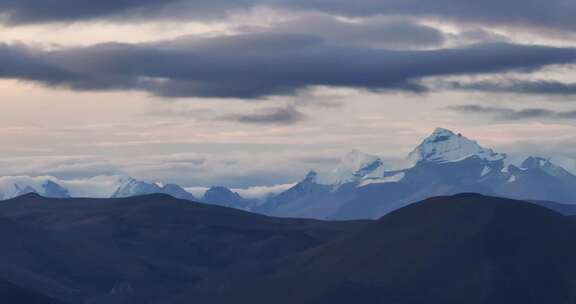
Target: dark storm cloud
58, 11
21, 62
542, 13
370, 32
544, 87
502, 113
260, 65
272, 116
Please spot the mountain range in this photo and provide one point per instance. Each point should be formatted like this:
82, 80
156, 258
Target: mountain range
363, 186
444, 163
47, 188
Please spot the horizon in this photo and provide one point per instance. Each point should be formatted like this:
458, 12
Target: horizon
104, 186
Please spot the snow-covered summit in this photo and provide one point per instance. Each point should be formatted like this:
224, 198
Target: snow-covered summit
444, 146
14, 186
351, 168
128, 187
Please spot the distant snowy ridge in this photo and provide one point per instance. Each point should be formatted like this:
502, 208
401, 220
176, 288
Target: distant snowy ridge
360, 186
444, 163
128, 187
15, 186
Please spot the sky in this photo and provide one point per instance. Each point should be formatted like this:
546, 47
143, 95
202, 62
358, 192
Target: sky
254, 93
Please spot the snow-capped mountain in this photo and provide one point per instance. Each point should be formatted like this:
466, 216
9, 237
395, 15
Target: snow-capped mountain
128, 187
11, 187
296, 201
446, 146
353, 166
363, 185
444, 163
222, 196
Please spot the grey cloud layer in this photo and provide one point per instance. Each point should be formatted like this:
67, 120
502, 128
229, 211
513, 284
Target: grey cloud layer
376, 32
543, 13
502, 113
21, 62
48, 11
557, 14
516, 86
260, 65
231, 166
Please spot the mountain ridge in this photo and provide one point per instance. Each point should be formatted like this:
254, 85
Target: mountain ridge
365, 186
444, 163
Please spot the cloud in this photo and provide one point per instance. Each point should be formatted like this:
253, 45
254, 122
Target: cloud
516, 86
229, 165
256, 192
253, 66
476, 35
271, 116
23, 62
65, 11
502, 113
378, 32
260, 192
554, 14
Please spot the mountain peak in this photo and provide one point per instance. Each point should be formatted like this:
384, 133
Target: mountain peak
442, 132
223, 196
544, 164
128, 186
353, 162
444, 145
52, 189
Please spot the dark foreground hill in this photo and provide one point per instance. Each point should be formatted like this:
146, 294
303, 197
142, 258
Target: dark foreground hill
156, 249
10, 293
147, 249
462, 249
